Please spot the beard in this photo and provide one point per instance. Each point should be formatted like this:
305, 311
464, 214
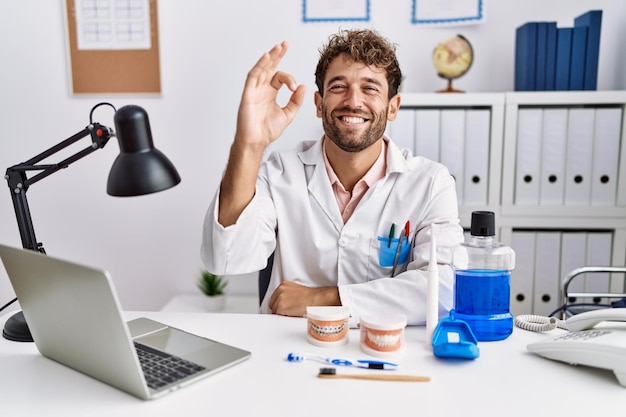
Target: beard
353, 139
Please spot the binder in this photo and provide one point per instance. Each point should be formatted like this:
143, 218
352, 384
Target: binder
522, 277
525, 56
427, 133
477, 129
452, 146
593, 21
578, 156
540, 64
563, 55
527, 171
554, 142
578, 58
606, 156
599, 249
547, 273
551, 40
403, 129
574, 255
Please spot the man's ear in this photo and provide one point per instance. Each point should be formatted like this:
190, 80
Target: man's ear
394, 106
317, 97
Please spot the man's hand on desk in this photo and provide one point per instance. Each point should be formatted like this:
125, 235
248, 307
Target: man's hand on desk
291, 299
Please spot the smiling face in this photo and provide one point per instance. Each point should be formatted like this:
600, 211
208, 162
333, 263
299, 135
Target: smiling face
354, 106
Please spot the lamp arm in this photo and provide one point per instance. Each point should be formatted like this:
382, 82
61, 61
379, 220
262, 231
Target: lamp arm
19, 182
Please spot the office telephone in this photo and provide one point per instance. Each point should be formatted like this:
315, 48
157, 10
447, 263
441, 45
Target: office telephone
595, 338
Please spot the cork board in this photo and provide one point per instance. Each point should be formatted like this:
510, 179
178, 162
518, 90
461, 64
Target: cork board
104, 71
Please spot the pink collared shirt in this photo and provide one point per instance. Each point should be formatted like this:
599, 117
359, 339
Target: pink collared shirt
348, 201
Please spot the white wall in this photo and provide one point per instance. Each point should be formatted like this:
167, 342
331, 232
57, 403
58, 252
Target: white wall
151, 244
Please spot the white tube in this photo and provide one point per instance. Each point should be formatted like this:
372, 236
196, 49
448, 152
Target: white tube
432, 298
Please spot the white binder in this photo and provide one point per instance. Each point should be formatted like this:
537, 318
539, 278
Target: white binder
427, 133
579, 156
605, 156
522, 277
599, 249
452, 146
402, 130
554, 142
547, 273
573, 255
527, 170
477, 133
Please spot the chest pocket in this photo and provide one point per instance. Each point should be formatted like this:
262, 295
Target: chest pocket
382, 256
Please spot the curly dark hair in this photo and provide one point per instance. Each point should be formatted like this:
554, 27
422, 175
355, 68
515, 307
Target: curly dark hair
364, 46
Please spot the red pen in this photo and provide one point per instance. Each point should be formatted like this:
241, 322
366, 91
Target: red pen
407, 229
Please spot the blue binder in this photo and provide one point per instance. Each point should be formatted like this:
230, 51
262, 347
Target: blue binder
551, 56
592, 20
525, 56
563, 54
578, 58
540, 64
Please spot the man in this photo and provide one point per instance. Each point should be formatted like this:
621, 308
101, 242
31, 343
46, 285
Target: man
347, 216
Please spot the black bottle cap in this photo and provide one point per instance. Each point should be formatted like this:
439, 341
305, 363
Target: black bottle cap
483, 223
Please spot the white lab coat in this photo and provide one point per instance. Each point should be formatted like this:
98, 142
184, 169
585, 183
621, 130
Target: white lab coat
294, 213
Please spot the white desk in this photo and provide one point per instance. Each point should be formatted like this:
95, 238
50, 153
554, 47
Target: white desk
504, 380
195, 303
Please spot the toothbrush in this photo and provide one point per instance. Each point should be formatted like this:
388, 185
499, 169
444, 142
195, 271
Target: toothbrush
432, 299
362, 363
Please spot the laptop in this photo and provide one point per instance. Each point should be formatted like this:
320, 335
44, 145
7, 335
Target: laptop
75, 318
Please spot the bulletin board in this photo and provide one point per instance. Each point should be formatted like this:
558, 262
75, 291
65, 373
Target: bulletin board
104, 71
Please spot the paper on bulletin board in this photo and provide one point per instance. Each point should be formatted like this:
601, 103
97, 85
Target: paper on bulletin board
112, 24
334, 10
448, 12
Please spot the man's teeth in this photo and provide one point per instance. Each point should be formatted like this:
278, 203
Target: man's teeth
353, 119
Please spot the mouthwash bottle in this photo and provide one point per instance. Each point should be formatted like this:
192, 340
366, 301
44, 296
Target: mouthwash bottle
482, 288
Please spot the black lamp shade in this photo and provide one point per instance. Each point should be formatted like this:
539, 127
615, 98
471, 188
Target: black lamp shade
140, 168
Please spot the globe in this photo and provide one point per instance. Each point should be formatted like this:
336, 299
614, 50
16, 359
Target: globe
452, 58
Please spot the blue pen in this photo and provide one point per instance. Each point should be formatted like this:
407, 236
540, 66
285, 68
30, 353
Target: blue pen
363, 363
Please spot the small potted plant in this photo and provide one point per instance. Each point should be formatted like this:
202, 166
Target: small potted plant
213, 287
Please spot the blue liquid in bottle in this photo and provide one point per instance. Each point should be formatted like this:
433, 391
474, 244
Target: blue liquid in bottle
482, 289
482, 300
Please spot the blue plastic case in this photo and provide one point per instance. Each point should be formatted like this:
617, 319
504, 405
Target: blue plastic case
454, 338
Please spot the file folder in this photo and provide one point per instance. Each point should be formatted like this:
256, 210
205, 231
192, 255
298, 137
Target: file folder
547, 273
606, 156
427, 133
403, 129
573, 255
599, 249
578, 156
522, 277
477, 130
527, 171
452, 146
554, 143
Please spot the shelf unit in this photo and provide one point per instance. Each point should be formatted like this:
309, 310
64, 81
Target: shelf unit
503, 162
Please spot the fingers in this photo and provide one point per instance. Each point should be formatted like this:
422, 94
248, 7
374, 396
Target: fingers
265, 67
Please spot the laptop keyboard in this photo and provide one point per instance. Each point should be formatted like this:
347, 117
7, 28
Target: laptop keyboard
160, 368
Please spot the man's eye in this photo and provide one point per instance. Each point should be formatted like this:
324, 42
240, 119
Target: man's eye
336, 87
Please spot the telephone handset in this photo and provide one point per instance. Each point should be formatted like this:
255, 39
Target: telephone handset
585, 344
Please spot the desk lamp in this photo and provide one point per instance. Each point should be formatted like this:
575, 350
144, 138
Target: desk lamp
139, 169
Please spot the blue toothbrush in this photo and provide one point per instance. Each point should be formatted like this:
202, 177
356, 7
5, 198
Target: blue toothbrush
363, 363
